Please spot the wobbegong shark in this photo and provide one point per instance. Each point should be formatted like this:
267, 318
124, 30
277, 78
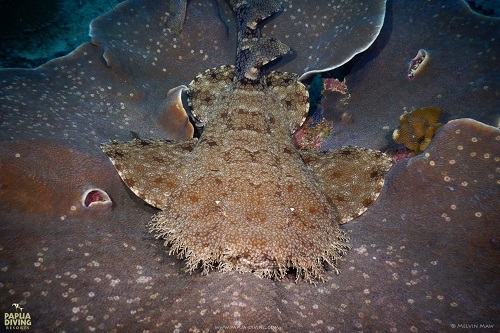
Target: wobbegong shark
242, 196
76, 252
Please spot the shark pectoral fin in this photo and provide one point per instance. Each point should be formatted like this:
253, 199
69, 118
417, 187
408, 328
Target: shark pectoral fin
149, 167
351, 177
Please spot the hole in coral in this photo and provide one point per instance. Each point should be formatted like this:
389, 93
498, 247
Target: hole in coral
95, 196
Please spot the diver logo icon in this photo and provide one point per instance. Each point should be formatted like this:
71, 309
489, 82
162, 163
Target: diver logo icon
18, 307
18, 320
